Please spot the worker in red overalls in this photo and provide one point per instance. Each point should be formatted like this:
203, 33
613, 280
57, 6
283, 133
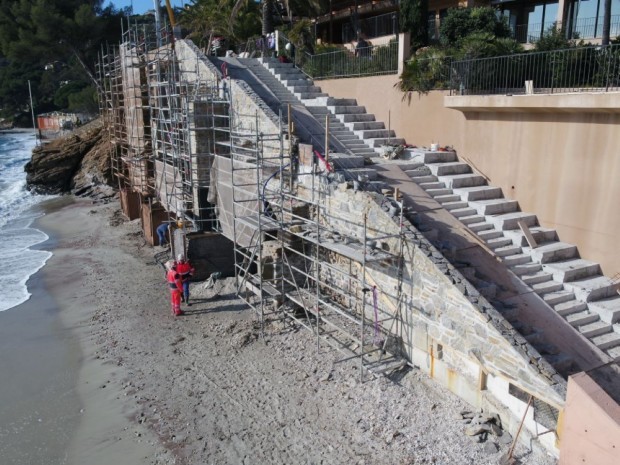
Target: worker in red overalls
175, 284
186, 270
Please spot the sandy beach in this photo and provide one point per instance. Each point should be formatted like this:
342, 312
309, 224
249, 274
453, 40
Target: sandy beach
144, 387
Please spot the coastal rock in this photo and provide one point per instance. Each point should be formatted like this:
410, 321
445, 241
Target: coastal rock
53, 166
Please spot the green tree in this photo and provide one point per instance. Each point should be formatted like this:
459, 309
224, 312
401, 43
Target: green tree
461, 22
414, 19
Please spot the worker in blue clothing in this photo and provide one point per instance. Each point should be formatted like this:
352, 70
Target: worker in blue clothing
162, 233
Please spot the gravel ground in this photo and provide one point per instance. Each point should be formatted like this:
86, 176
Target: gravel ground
208, 388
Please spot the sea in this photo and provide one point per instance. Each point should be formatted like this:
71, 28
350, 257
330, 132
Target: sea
18, 258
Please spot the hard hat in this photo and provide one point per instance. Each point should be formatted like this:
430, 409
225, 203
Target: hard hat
180, 257
288, 46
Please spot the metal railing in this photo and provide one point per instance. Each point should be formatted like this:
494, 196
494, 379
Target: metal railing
376, 26
364, 61
583, 69
583, 28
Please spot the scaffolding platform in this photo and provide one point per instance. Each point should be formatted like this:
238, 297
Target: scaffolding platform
265, 224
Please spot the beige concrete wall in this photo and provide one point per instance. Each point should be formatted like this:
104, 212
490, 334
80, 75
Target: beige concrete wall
558, 160
591, 431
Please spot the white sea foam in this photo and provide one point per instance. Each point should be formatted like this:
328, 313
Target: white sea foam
17, 237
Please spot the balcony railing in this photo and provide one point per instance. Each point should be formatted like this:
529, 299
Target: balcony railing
376, 26
583, 69
583, 28
365, 61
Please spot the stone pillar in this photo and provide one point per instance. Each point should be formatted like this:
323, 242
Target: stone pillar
404, 50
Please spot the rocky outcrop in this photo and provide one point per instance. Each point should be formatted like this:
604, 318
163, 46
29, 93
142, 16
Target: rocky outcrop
78, 163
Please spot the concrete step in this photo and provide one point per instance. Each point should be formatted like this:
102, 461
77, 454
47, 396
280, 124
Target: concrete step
581, 318
571, 306
536, 278
453, 205
481, 226
379, 141
462, 212
295, 82
608, 309
450, 198
614, 353
489, 234
424, 179
346, 109
432, 185
541, 235
472, 219
428, 156
507, 250
593, 288
355, 117
479, 193
275, 64
507, 221
360, 174
595, 328
607, 341
300, 88
495, 206
375, 133
309, 96
365, 125
444, 169
558, 297
438, 192
517, 259
546, 287
456, 181
526, 268
553, 252
499, 241
572, 269
333, 101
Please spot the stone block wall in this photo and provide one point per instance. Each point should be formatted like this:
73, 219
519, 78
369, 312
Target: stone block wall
446, 327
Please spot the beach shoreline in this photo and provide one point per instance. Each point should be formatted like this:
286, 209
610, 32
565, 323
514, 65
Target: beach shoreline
211, 387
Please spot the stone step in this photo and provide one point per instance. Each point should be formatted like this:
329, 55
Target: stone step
450, 198
461, 212
508, 221
553, 252
300, 88
275, 64
507, 250
478, 227
595, 328
526, 268
540, 234
607, 341
495, 206
536, 278
479, 193
593, 288
294, 82
304, 96
517, 259
558, 297
333, 101
571, 306
472, 219
428, 156
443, 169
582, 318
363, 174
546, 287
456, 181
608, 309
572, 269
490, 234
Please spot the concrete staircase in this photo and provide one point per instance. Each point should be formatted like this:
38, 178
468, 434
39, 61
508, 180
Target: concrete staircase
572, 286
348, 122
